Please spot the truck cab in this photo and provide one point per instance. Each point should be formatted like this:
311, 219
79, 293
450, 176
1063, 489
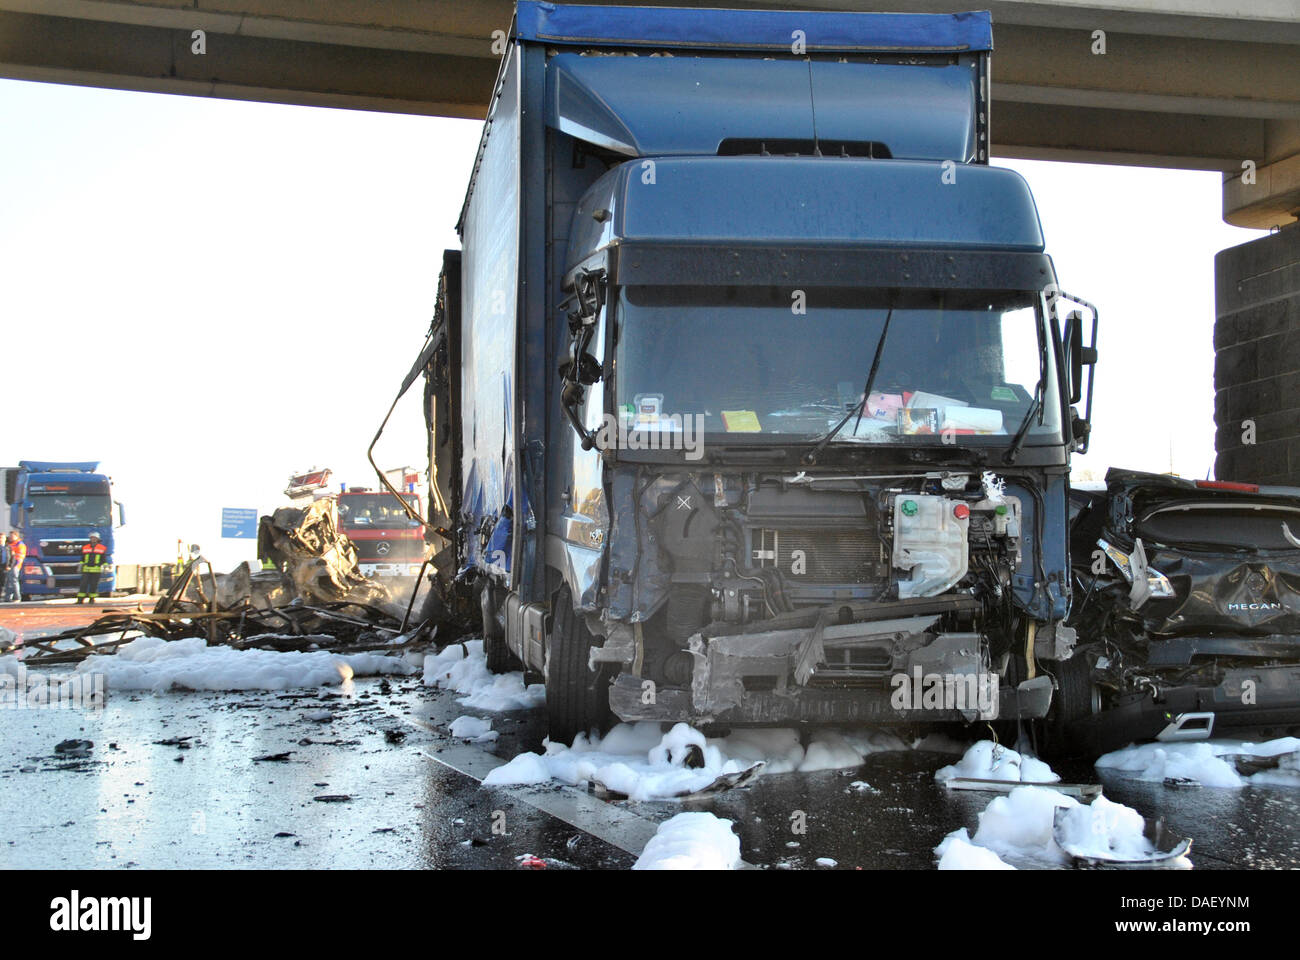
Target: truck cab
55, 506
390, 545
752, 391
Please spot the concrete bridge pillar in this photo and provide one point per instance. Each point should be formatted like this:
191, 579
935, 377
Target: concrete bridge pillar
1257, 309
1257, 359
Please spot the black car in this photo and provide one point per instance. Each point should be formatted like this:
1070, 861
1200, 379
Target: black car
1187, 608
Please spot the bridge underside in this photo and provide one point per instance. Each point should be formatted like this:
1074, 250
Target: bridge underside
1178, 85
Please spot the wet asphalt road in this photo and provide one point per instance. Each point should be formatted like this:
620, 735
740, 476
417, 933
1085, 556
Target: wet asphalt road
411, 799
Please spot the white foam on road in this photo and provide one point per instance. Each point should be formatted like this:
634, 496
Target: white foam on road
639, 759
1020, 828
692, 841
956, 852
644, 762
151, 663
1106, 830
462, 668
635, 759
986, 760
1203, 762
474, 729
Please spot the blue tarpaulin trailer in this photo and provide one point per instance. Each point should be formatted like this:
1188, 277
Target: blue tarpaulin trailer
756, 263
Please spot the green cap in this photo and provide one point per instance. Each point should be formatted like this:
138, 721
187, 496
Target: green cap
909, 508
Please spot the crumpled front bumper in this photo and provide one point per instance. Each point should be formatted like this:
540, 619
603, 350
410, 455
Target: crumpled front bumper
1248, 698
884, 673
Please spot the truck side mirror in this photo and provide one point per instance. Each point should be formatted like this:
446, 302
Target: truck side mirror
121, 513
1080, 355
1079, 430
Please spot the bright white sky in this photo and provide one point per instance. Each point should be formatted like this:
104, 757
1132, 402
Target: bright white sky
208, 296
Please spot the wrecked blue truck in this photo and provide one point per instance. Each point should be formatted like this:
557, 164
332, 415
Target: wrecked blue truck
751, 392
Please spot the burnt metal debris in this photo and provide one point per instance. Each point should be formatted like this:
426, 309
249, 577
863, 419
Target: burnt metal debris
315, 599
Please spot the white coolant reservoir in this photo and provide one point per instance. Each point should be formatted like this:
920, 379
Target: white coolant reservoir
929, 543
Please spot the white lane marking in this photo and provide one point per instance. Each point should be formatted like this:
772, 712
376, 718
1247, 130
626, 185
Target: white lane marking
618, 827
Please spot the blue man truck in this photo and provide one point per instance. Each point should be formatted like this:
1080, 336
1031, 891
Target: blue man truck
751, 393
55, 506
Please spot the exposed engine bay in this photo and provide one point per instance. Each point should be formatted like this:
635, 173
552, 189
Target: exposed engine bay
820, 598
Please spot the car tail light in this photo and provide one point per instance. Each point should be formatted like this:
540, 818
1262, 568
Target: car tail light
1228, 485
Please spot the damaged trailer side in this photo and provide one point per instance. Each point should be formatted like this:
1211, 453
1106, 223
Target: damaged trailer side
737, 418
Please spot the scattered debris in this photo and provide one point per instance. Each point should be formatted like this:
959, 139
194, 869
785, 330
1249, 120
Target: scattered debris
74, 748
274, 757
1248, 765
1159, 847
333, 798
1085, 791
394, 736
320, 602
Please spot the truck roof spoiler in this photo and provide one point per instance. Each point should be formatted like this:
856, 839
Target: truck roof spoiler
714, 29
59, 466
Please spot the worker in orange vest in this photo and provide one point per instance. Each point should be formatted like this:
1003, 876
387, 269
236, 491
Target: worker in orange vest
93, 555
15, 554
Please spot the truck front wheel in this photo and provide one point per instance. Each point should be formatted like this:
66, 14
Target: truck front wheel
499, 658
1075, 699
577, 698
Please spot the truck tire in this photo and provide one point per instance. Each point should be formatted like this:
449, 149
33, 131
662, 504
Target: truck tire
499, 658
577, 699
1073, 701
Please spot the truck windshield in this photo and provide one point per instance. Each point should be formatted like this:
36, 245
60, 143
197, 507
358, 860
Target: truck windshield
69, 510
375, 510
761, 361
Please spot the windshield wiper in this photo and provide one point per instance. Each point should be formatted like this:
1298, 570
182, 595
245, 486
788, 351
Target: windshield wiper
811, 456
1035, 406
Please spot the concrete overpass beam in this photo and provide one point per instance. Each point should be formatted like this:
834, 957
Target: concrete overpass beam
242, 67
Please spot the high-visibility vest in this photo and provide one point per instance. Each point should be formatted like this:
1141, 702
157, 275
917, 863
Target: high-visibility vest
93, 556
17, 554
